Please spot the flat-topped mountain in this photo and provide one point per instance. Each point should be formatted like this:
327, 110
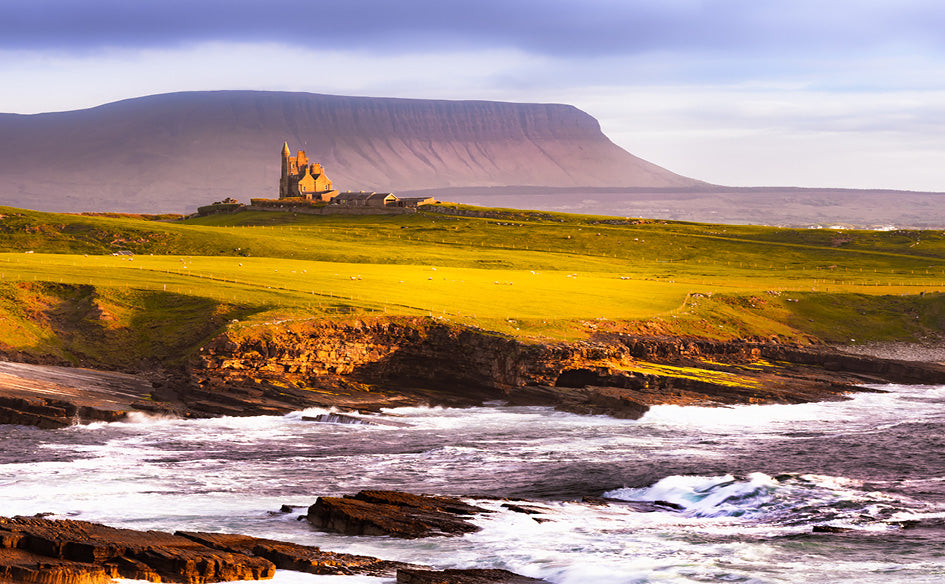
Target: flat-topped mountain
175, 151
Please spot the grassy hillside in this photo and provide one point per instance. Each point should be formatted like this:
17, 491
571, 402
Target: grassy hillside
536, 275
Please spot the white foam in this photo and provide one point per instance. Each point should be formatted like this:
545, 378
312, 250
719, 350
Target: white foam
223, 475
720, 496
862, 410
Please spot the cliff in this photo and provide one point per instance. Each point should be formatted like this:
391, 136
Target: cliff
368, 364
176, 151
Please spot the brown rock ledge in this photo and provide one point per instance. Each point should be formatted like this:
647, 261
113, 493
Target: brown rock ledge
393, 513
48, 551
413, 576
49, 396
36, 550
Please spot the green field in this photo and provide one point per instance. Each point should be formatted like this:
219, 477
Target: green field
529, 274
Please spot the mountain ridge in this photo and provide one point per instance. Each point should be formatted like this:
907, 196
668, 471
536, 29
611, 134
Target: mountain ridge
172, 152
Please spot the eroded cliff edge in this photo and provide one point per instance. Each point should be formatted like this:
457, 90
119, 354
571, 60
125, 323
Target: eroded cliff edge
373, 363
368, 364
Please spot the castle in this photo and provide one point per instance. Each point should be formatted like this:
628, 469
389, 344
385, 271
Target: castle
303, 180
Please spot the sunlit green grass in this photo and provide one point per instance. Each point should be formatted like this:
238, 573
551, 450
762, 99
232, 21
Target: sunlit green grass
516, 272
401, 289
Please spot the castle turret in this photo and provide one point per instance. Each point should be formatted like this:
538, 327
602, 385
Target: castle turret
284, 179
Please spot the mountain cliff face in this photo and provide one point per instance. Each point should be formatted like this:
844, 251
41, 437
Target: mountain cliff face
176, 151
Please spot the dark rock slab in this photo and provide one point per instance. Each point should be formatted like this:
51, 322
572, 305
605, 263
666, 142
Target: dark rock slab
618, 402
335, 418
525, 509
474, 576
37, 550
295, 557
936, 523
41, 550
22, 566
393, 513
49, 397
830, 529
638, 506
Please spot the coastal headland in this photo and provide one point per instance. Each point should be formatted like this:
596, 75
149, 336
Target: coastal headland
254, 312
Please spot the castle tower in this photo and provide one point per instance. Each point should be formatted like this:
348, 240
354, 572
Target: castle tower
284, 180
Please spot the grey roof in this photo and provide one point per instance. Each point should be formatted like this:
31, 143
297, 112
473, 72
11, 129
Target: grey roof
350, 196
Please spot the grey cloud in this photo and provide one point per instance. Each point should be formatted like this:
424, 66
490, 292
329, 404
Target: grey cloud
561, 28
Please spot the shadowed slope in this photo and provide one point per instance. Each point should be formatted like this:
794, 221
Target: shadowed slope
175, 151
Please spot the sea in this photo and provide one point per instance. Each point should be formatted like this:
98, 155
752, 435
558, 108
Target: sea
741, 488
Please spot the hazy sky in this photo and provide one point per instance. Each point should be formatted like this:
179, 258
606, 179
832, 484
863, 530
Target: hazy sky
842, 93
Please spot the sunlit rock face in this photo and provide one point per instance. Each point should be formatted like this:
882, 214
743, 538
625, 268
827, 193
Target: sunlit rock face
173, 152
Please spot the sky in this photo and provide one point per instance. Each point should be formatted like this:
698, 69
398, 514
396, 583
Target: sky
816, 93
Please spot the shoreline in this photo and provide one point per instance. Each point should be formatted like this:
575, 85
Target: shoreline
368, 364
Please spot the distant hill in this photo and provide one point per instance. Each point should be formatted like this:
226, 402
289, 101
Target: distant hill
784, 206
176, 151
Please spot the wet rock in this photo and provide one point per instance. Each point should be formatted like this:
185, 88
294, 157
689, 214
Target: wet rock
525, 509
66, 552
298, 558
337, 419
830, 529
25, 567
393, 513
52, 397
612, 401
529, 510
474, 576
937, 523
638, 506
44, 551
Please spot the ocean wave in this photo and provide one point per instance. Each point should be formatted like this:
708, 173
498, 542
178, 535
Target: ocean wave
784, 500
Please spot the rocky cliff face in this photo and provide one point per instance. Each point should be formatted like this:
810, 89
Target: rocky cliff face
176, 151
373, 363
367, 364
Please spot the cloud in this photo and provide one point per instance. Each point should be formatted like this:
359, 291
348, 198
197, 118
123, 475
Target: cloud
788, 135
561, 28
119, 74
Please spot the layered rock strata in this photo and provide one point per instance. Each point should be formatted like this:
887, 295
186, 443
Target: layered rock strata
42, 551
36, 550
368, 364
409, 576
393, 513
55, 397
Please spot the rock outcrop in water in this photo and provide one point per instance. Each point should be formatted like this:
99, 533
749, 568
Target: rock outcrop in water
393, 513
408, 576
45, 551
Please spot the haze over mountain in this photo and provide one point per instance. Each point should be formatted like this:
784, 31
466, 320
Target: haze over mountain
173, 152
